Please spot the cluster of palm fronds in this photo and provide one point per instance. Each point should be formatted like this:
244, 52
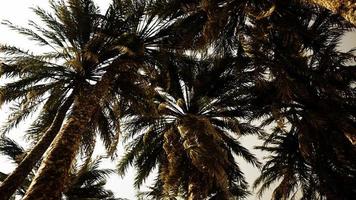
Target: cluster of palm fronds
182, 81
86, 180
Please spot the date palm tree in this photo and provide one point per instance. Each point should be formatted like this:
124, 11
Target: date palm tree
309, 87
13, 181
190, 134
109, 54
54, 78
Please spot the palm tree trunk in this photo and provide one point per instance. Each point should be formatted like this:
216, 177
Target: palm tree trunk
346, 8
197, 187
17, 177
193, 188
51, 178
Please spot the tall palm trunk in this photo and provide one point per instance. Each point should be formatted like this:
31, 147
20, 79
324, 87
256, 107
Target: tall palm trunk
346, 8
17, 177
51, 178
201, 142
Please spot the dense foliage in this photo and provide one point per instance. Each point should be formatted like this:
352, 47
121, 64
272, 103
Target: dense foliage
182, 81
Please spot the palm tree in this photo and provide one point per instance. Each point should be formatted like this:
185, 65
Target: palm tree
109, 53
304, 89
87, 180
74, 58
190, 134
13, 181
99, 64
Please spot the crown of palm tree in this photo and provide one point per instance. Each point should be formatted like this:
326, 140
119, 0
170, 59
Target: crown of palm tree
304, 89
185, 115
74, 51
191, 132
83, 46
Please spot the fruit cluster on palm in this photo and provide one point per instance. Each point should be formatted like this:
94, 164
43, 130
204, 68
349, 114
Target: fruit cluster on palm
182, 81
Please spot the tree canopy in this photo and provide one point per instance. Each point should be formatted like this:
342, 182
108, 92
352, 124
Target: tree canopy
181, 82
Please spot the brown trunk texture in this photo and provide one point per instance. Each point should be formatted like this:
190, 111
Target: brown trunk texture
345, 8
51, 178
195, 191
17, 177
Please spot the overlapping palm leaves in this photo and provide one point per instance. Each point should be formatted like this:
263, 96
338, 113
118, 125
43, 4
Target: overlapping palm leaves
15, 153
75, 52
83, 44
286, 164
190, 134
305, 90
223, 23
187, 124
87, 180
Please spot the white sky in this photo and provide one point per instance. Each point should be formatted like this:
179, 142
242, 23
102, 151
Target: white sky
18, 12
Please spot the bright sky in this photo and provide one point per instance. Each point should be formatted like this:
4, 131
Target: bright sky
18, 12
